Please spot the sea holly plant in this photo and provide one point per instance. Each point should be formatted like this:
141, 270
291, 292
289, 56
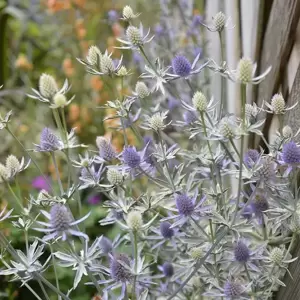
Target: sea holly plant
183, 230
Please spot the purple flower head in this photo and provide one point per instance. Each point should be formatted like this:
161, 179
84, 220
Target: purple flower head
168, 269
241, 252
197, 20
291, 153
260, 204
117, 271
184, 204
60, 218
113, 15
106, 150
105, 245
159, 30
233, 290
48, 141
40, 183
94, 199
189, 117
131, 157
165, 230
247, 212
251, 157
181, 66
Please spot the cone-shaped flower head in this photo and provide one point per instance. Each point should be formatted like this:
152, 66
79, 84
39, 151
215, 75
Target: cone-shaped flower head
184, 204
165, 230
131, 157
251, 157
117, 271
48, 141
291, 153
168, 269
233, 290
47, 86
181, 66
106, 150
241, 252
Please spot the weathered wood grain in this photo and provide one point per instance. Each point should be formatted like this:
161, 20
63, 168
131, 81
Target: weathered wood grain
277, 45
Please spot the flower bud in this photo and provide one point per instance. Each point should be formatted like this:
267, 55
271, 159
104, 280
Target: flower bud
287, 132
196, 253
134, 36
4, 173
245, 70
122, 72
128, 13
295, 223
157, 122
226, 130
219, 21
141, 90
134, 220
200, 102
278, 104
233, 290
94, 55
276, 255
12, 165
114, 176
47, 86
107, 64
60, 100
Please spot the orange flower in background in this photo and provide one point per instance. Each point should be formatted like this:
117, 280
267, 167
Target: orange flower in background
77, 127
68, 67
74, 112
54, 6
117, 29
80, 28
86, 115
79, 3
23, 63
96, 83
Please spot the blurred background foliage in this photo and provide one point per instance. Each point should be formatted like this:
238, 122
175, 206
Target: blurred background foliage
46, 36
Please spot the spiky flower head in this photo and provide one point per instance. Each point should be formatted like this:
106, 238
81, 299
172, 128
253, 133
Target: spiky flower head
114, 176
165, 230
233, 289
184, 204
251, 157
106, 64
199, 101
250, 111
60, 218
48, 140
128, 13
189, 117
278, 104
241, 252
227, 130
12, 165
141, 90
134, 36
131, 157
196, 253
117, 271
291, 153
105, 245
106, 150
219, 21
287, 132
245, 70
4, 173
168, 269
94, 55
47, 86
134, 220
60, 100
156, 122
181, 66
122, 72
276, 255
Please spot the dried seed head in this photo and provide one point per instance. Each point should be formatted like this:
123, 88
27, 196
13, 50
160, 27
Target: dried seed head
157, 122
47, 86
131, 157
278, 104
200, 102
134, 220
117, 271
287, 132
60, 100
184, 204
106, 150
94, 55
219, 21
168, 269
241, 252
165, 230
134, 36
4, 173
60, 217
128, 13
245, 70
233, 289
106, 64
276, 255
141, 90
181, 66
114, 176
12, 165
196, 253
